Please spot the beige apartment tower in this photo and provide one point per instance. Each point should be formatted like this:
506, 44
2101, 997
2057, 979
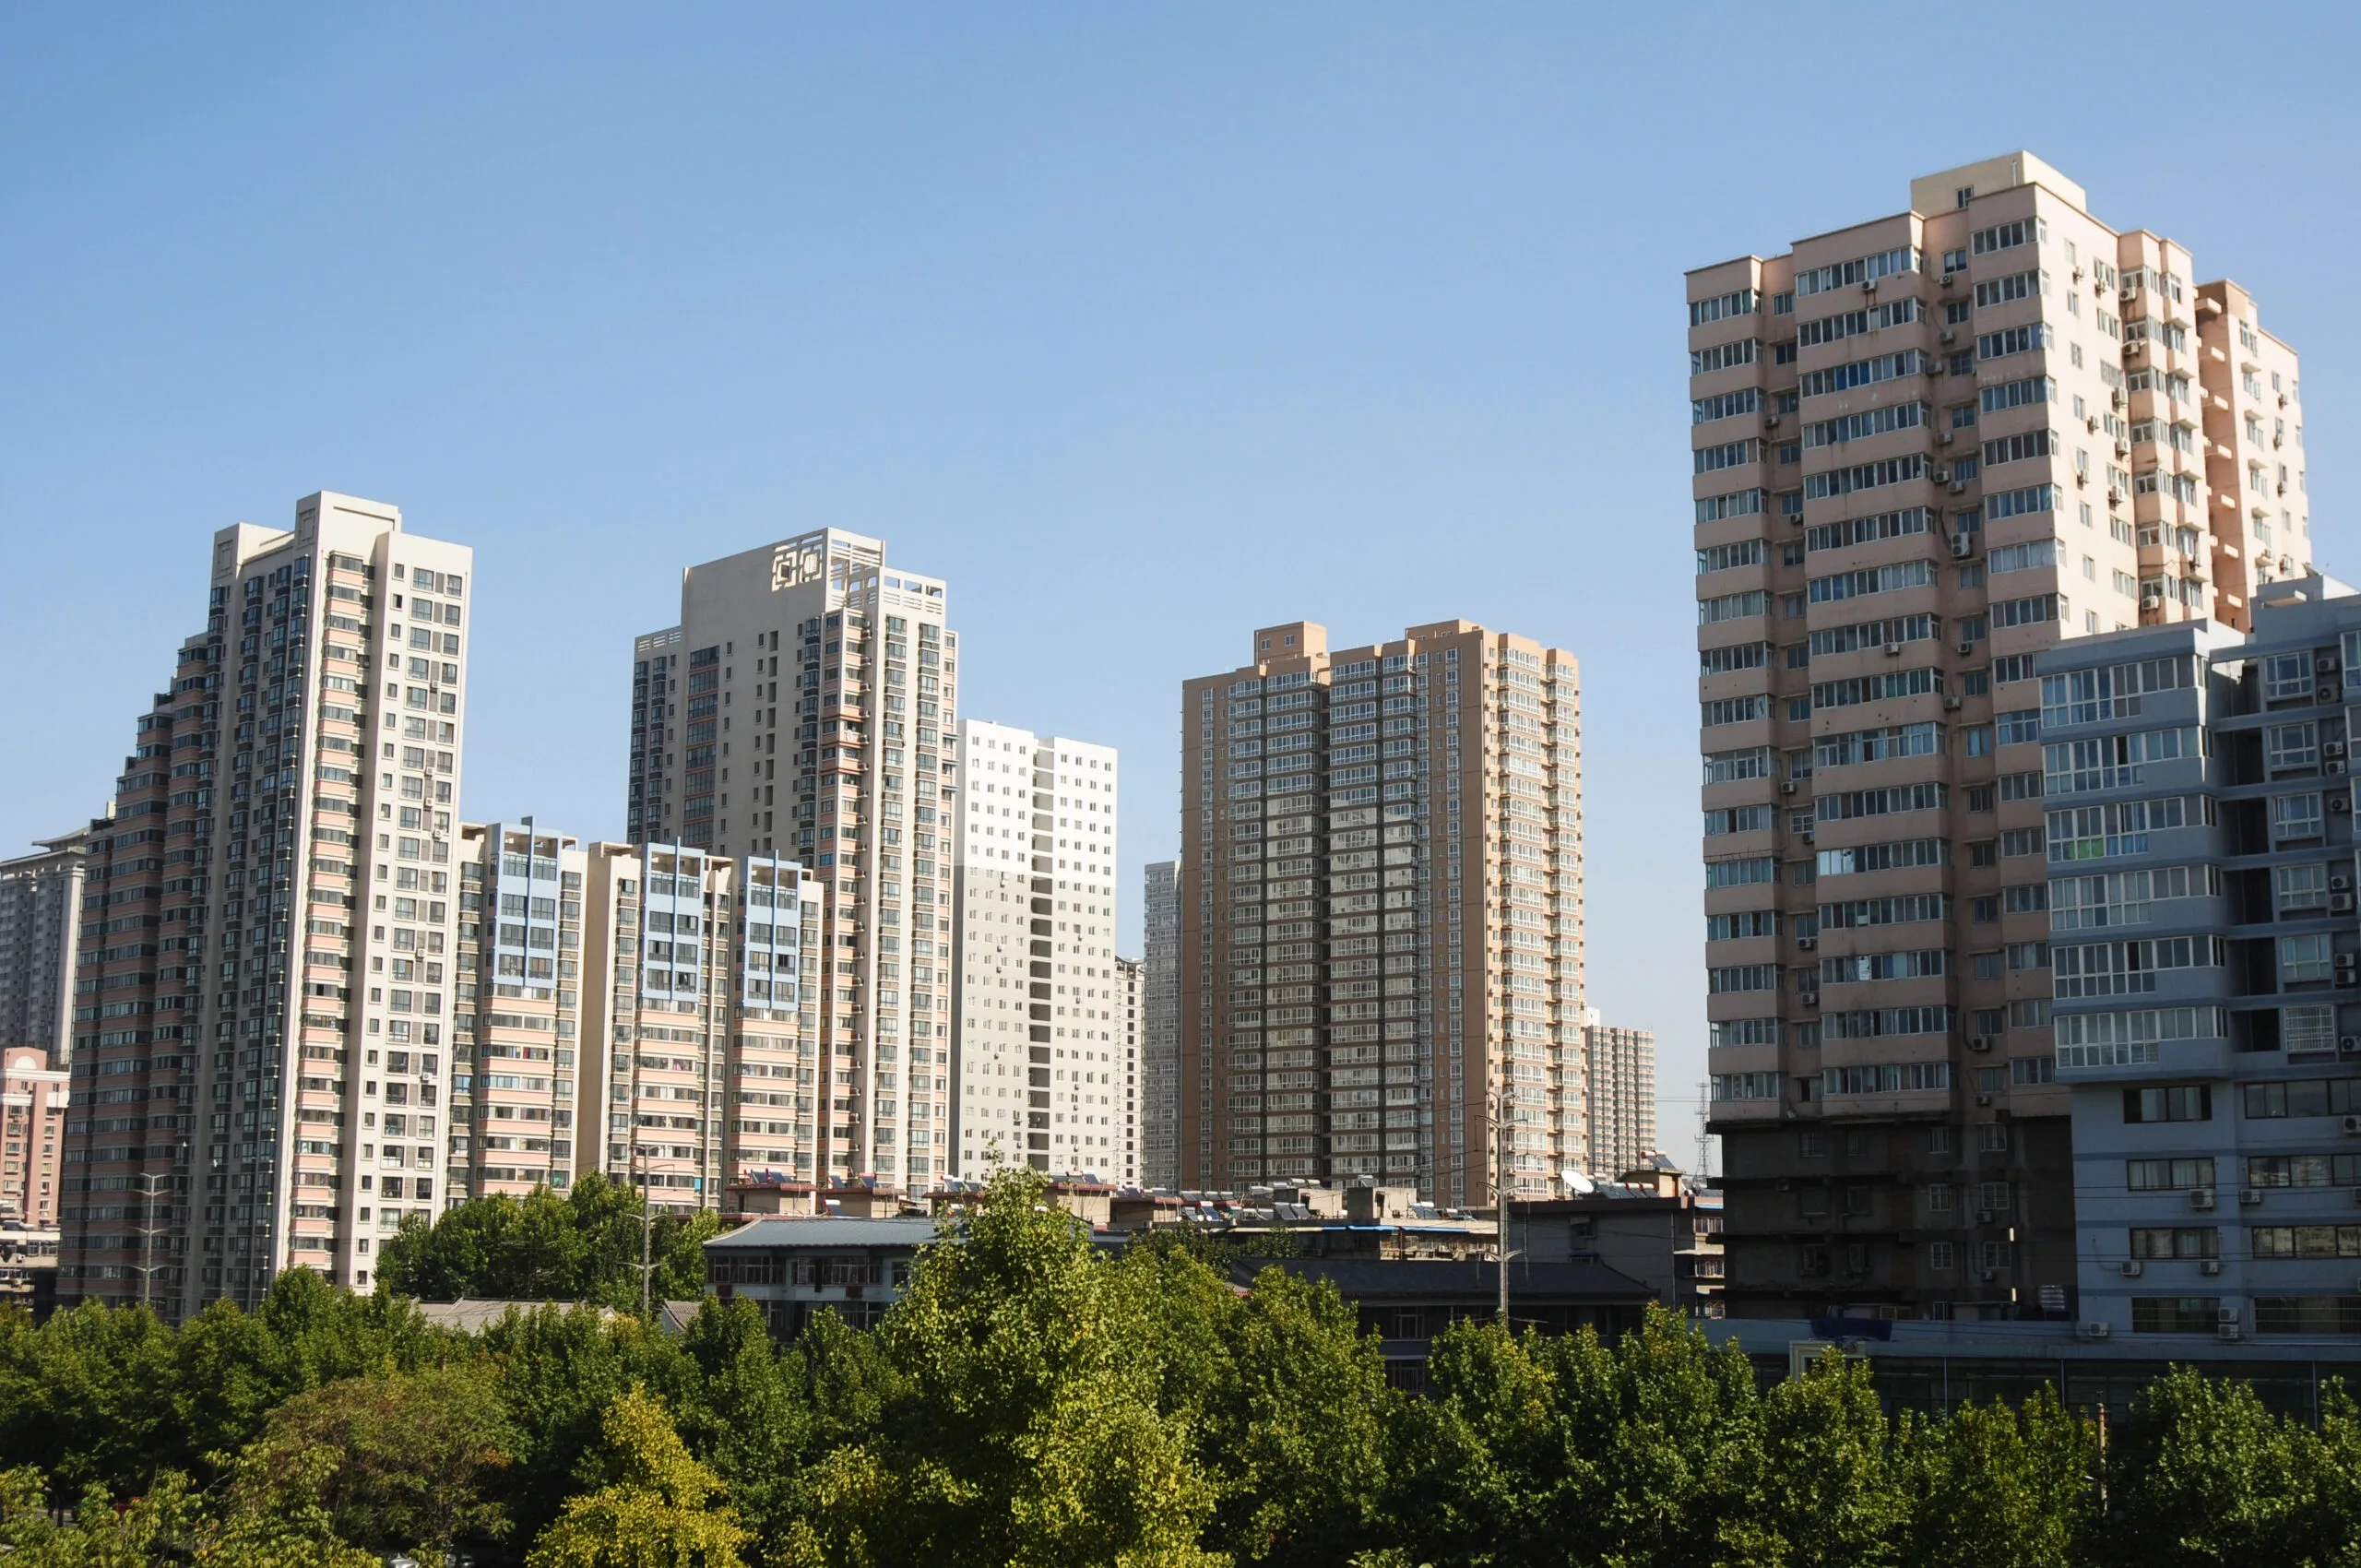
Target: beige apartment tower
268, 934
1925, 447
1379, 915
805, 708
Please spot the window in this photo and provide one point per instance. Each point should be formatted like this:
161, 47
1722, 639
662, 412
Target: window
2286, 677
2305, 1241
2174, 1314
2176, 1242
2304, 958
1941, 1256
2172, 1102
1812, 1145
2302, 1097
2167, 1175
2295, 817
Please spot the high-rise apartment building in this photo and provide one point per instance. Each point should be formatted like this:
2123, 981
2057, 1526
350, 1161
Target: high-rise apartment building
1042, 1074
642, 1012
40, 899
32, 1132
1926, 447
1160, 1033
267, 924
849, 672
1381, 915
1620, 1074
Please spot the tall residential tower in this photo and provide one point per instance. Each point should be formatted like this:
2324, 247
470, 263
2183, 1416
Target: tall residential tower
1044, 1072
267, 928
1160, 1033
1925, 447
1381, 914
840, 754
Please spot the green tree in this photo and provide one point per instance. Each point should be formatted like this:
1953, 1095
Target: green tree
1829, 1489
1995, 1488
2200, 1473
1023, 1427
410, 1456
658, 1508
581, 1246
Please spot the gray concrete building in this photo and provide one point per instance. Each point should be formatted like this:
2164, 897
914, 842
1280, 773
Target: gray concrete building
40, 896
1160, 1033
2202, 953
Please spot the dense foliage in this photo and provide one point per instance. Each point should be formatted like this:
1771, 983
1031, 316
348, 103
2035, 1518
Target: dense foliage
1033, 1402
582, 1246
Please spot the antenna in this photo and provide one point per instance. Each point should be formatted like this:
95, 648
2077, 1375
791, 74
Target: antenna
1704, 1137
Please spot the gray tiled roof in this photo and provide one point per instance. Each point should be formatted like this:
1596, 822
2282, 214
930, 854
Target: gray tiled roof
822, 1232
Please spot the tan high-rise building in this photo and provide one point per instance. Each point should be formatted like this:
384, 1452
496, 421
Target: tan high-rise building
1620, 1072
1925, 447
637, 1011
32, 1129
805, 708
268, 927
1379, 914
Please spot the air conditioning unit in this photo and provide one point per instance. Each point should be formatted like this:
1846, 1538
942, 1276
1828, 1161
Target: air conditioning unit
1952, 702
1806, 944
2325, 664
1959, 487
1984, 1099
2352, 1125
1893, 651
1810, 836
2201, 1198
2348, 1044
1979, 1042
2333, 766
1940, 472
2339, 803
1984, 1217
1967, 645
1950, 278
1810, 998
2339, 903
1771, 423
1788, 787
2209, 1267
2097, 1330
2133, 1269
1963, 545
2340, 882
1947, 335
1942, 438
2249, 1196
1782, 1185
1987, 1275
1869, 285
2326, 694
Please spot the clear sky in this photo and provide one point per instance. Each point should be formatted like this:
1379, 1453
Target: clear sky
1141, 324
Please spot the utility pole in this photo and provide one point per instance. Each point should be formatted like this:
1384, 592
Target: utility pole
646, 1227
1503, 1139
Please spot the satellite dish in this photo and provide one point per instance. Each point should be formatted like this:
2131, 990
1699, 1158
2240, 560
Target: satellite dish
1577, 1181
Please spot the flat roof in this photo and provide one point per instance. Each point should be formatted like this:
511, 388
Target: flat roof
829, 1230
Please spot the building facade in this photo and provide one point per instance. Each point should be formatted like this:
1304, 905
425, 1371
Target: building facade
268, 920
2203, 947
1160, 1033
1620, 1070
1042, 1075
1381, 917
2023, 426
33, 1135
40, 900
849, 672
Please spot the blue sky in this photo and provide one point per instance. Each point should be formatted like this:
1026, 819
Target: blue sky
1143, 325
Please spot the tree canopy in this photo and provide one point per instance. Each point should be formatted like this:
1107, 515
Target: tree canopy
1035, 1401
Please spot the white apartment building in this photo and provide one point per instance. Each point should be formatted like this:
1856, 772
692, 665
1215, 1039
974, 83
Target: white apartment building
801, 709
1043, 1074
267, 929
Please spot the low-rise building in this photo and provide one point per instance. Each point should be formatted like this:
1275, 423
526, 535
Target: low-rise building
792, 1267
1655, 1225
